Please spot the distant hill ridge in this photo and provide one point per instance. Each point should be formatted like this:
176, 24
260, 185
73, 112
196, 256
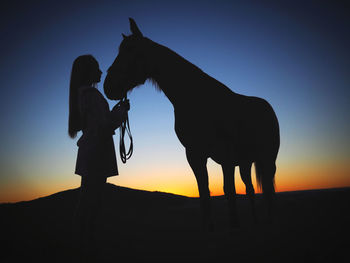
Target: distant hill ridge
111, 192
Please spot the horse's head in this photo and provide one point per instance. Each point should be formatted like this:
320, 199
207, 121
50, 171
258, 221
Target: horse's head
130, 68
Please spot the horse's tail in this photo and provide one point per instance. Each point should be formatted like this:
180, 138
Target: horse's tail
265, 176
265, 167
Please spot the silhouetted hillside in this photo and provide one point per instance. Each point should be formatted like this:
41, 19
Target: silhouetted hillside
140, 225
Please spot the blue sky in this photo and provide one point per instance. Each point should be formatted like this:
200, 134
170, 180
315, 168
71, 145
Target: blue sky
293, 53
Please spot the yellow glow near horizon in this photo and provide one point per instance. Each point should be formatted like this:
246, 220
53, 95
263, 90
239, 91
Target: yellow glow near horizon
181, 181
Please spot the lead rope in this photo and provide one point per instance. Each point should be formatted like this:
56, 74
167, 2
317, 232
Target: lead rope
125, 128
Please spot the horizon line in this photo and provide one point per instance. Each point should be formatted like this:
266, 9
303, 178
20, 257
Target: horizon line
170, 193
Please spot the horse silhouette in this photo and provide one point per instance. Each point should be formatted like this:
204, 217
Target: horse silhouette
210, 119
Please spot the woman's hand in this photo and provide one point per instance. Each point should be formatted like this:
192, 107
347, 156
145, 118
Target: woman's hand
120, 112
123, 106
126, 105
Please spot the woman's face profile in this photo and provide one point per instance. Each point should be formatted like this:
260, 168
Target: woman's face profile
97, 73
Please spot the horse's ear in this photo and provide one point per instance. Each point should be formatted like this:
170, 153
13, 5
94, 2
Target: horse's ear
134, 29
124, 36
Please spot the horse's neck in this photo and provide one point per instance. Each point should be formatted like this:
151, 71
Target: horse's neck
176, 77
182, 82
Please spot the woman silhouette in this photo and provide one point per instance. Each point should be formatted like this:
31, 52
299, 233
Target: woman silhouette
89, 112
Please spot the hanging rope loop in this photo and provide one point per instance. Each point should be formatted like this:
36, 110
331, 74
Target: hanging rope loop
125, 129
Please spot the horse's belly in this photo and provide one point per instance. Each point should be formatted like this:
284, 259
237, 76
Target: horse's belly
217, 146
231, 152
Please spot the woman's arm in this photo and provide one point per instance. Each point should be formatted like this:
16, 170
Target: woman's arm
98, 118
119, 113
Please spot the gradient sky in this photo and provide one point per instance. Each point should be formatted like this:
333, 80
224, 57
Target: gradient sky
295, 54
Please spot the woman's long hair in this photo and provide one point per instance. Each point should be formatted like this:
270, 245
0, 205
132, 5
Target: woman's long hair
82, 73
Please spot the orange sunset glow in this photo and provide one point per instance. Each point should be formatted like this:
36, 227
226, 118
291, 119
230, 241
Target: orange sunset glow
182, 182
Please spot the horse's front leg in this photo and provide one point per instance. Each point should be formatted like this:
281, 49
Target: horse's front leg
198, 163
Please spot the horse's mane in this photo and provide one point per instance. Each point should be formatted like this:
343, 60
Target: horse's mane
155, 84
181, 67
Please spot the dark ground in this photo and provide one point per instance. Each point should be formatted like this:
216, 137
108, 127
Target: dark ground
141, 226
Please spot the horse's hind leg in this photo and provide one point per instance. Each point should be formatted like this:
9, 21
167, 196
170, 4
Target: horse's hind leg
269, 187
266, 171
198, 164
245, 171
230, 192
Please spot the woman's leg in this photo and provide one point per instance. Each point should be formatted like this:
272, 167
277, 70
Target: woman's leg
96, 204
81, 216
89, 205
